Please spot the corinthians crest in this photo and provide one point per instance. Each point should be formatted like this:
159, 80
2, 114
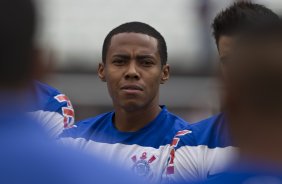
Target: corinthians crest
142, 164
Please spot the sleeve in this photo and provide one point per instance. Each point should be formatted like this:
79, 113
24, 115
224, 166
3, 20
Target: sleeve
57, 115
194, 162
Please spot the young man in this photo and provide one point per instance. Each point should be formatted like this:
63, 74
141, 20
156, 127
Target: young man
214, 149
138, 133
254, 106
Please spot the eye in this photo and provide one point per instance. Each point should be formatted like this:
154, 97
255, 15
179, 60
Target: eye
118, 62
147, 62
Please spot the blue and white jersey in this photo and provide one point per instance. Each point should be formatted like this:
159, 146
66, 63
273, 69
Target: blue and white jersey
146, 152
246, 172
210, 153
52, 109
245, 178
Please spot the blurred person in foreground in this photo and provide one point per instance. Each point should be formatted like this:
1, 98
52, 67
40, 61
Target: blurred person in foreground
138, 133
53, 109
27, 155
214, 149
253, 105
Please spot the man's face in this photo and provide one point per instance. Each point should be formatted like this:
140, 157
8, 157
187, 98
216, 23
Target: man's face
133, 71
254, 92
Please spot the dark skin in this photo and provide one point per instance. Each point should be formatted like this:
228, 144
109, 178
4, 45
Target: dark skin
253, 121
133, 72
225, 47
254, 101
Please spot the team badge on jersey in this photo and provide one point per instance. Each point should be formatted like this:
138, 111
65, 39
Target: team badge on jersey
142, 164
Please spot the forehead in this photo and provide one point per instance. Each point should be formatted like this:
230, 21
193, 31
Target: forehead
126, 42
259, 47
263, 53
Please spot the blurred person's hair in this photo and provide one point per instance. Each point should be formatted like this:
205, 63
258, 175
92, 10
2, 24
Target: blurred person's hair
234, 18
137, 27
17, 20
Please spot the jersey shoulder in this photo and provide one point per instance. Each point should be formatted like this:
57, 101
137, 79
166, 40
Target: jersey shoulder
211, 132
174, 126
51, 100
183, 133
84, 128
176, 123
179, 123
44, 92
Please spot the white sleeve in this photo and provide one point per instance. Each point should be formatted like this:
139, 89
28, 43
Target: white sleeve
193, 163
52, 122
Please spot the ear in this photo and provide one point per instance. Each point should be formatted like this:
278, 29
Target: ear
165, 73
101, 72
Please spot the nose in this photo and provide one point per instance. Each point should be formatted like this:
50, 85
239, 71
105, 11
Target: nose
132, 72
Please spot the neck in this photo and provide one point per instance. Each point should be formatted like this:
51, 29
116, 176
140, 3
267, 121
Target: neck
135, 120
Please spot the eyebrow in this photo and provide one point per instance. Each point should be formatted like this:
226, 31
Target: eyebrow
144, 56
124, 56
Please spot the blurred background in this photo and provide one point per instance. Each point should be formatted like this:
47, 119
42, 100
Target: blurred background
71, 34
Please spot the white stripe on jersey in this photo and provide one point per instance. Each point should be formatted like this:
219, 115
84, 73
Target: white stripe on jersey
146, 162
198, 162
52, 122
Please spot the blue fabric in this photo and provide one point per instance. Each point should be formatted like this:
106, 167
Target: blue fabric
245, 172
45, 98
27, 156
212, 132
157, 133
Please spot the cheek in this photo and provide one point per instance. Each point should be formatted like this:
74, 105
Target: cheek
153, 81
113, 78
113, 74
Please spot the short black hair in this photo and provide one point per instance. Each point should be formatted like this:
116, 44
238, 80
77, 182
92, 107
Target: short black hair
234, 18
17, 21
137, 27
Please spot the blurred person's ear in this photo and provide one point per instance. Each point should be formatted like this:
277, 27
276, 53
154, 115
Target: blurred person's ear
101, 72
165, 73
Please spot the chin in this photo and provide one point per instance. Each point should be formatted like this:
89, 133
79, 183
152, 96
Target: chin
132, 106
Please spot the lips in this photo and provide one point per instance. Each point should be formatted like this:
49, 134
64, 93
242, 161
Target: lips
132, 87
